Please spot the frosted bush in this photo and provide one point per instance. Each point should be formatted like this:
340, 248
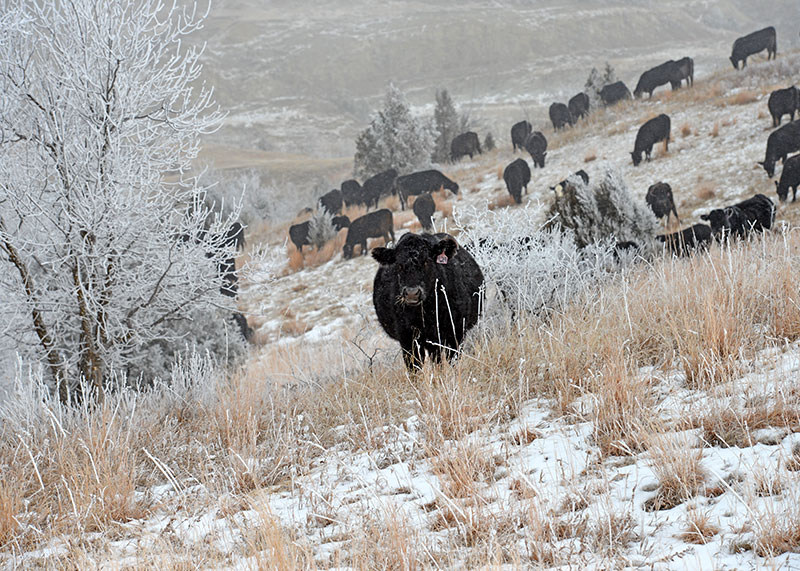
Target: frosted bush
320, 228
603, 211
534, 269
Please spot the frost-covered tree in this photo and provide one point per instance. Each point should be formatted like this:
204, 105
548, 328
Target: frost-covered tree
394, 139
320, 228
596, 81
448, 123
603, 211
108, 257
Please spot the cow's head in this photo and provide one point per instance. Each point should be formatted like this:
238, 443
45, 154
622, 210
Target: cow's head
637, 158
719, 219
413, 264
769, 166
734, 62
783, 193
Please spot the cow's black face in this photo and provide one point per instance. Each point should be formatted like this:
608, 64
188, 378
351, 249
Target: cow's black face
637, 158
769, 166
783, 194
718, 219
734, 62
413, 265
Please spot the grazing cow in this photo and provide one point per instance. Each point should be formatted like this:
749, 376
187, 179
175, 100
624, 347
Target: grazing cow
420, 182
378, 186
655, 130
559, 116
790, 178
659, 199
579, 106
684, 242
780, 143
331, 202
614, 93
536, 145
517, 175
352, 193
667, 72
423, 208
373, 225
755, 213
427, 293
465, 144
298, 233
750, 44
783, 102
559, 188
519, 134
686, 69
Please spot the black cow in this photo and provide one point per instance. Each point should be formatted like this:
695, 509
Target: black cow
519, 134
420, 182
517, 175
298, 233
560, 116
667, 72
655, 130
780, 143
423, 208
659, 199
427, 293
465, 144
686, 70
559, 188
783, 102
579, 106
755, 213
750, 44
331, 201
373, 225
352, 193
241, 323
790, 178
378, 186
685, 241
536, 145
614, 93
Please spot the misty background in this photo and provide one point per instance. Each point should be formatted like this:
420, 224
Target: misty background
300, 79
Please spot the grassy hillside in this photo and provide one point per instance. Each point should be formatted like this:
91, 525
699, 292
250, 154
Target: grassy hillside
652, 421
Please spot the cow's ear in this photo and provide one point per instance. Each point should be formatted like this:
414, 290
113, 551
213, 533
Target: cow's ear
445, 247
705, 217
384, 256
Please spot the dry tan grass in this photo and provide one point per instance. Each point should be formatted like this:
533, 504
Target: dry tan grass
744, 97
590, 156
502, 201
699, 527
686, 130
705, 192
679, 471
715, 130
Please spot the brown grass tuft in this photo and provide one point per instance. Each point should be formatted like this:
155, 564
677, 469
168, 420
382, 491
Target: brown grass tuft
699, 527
686, 130
679, 471
502, 201
296, 261
392, 202
705, 192
715, 130
590, 156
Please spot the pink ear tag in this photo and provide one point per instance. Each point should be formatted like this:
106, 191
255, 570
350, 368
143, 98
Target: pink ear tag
441, 259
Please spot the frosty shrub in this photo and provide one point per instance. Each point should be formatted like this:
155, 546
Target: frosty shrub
394, 139
597, 81
535, 270
106, 248
320, 228
488, 143
604, 211
448, 124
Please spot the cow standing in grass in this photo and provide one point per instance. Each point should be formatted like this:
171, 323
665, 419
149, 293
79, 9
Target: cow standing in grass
780, 143
517, 175
614, 93
560, 116
653, 131
783, 102
579, 106
755, 213
519, 134
686, 241
750, 44
790, 179
660, 200
536, 145
424, 207
465, 144
427, 294
378, 224
421, 182
378, 186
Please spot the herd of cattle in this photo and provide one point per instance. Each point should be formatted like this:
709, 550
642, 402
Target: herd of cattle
427, 290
